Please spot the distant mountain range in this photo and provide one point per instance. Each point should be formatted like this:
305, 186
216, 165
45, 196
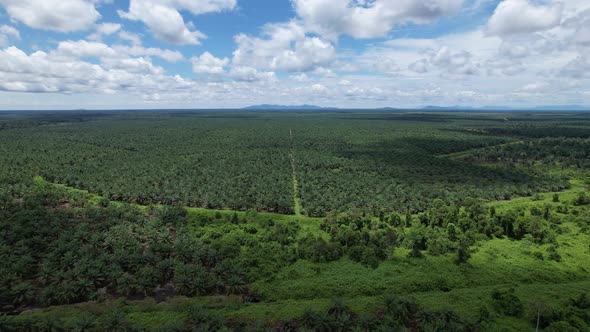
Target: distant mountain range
268, 107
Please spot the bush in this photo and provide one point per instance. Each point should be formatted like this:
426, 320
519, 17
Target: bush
318, 250
560, 326
582, 199
507, 303
173, 215
553, 254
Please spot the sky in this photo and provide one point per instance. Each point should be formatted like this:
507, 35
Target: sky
131, 54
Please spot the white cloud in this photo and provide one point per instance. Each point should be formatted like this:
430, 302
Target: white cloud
209, 64
104, 29
168, 55
92, 49
52, 73
420, 66
578, 68
300, 78
249, 74
514, 50
387, 65
535, 87
164, 20
325, 72
108, 28
286, 47
131, 37
57, 15
522, 16
369, 19
542, 63
7, 32
319, 89
133, 65
83, 48
454, 62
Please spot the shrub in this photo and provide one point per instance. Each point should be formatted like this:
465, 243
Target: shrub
582, 199
506, 302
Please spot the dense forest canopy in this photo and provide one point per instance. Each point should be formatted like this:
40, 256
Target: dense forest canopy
182, 221
241, 160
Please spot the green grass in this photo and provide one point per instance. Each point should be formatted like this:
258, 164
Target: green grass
566, 196
465, 301
494, 262
465, 153
95, 199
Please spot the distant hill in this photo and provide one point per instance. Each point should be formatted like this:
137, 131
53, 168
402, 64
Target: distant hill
269, 107
562, 108
507, 108
466, 108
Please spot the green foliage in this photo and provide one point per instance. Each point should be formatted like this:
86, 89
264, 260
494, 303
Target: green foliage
463, 251
506, 302
395, 199
241, 161
173, 215
582, 199
318, 250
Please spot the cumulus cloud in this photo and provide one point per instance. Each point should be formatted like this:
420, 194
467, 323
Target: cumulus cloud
387, 65
7, 32
52, 73
319, 89
92, 49
206, 63
285, 47
514, 50
522, 16
454, 62
133, 38
420, 66
164, 20
249, 74
168, 55
139, 65
104, 29
300, 78
83, 48
57, 15
369, 19
325, 72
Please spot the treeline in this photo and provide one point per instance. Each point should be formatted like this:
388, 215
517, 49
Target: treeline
565, 152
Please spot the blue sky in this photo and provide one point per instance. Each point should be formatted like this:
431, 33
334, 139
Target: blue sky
103, 54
